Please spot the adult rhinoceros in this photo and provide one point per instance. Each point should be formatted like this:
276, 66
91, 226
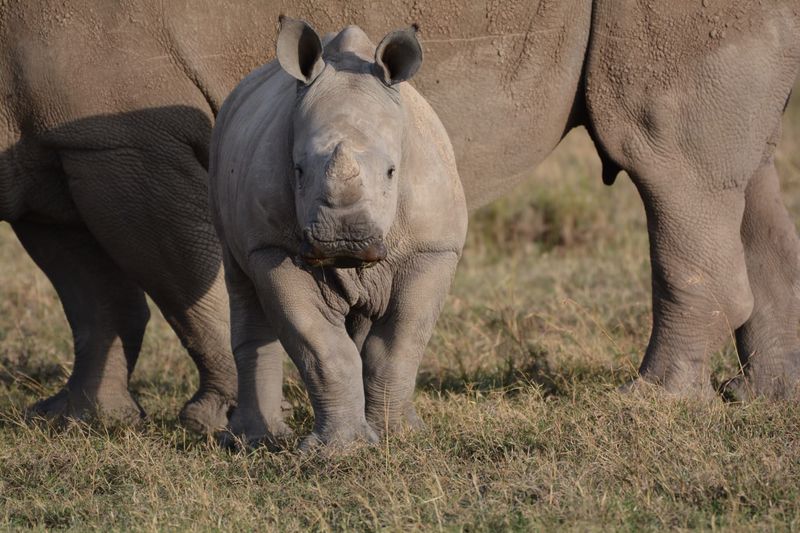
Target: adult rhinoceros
107, 109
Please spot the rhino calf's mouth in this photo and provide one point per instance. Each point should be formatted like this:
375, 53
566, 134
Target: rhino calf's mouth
358, 255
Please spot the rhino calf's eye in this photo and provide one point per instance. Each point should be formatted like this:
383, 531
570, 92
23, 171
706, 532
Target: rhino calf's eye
298, 174
390, 173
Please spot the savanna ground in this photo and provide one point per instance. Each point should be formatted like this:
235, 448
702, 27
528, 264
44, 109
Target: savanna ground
549, 314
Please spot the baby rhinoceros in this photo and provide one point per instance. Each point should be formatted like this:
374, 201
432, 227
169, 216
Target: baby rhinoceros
338, 203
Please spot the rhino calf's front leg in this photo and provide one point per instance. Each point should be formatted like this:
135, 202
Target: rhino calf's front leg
316, 339
394, 347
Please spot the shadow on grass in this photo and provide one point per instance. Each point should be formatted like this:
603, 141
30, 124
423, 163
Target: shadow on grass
23, 382
25, 371
517, 375
510, 378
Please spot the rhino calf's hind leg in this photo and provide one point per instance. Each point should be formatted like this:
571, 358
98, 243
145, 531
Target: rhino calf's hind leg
768, 343
108, 315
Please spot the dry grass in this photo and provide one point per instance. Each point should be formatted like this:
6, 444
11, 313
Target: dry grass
549, 314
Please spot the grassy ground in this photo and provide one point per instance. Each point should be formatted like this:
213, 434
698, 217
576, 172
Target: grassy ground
549, 314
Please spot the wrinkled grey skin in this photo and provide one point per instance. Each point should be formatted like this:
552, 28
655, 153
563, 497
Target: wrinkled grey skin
344, 165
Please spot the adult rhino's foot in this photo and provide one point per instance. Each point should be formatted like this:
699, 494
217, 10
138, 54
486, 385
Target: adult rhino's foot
207, 412
646, 385
340, 438
118, 408
250, 429
745, 388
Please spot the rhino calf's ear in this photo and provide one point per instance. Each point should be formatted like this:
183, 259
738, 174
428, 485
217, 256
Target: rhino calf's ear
299, 50
399, 56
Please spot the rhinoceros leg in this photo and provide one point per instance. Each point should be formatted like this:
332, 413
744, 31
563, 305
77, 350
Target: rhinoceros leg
148, 208
689, 119
260, 411
108, 315
701, 292
396, 343
768, 343
314, 334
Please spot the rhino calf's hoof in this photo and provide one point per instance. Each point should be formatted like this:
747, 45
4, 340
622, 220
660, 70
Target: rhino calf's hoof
406, 421
207, 412
339, 439
250, 430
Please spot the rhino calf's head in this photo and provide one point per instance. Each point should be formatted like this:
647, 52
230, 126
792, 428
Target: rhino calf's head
347, 138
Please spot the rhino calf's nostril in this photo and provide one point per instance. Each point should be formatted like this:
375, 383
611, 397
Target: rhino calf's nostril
374, 252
